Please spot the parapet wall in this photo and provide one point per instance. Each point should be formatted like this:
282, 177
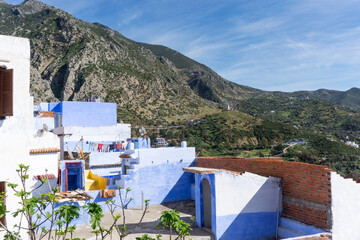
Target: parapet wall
306, 187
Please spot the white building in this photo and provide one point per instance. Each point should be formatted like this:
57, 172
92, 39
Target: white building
17, 134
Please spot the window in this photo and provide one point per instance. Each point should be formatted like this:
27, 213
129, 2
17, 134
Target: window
6, 92
2, 190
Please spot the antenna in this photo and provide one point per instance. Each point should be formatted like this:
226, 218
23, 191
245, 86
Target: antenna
142, 131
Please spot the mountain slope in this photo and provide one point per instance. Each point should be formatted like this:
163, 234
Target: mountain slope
73, 60
349, 98
232, 133
317, 115
202, 80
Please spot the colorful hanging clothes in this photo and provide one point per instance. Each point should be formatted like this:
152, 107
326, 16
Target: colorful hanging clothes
100, 147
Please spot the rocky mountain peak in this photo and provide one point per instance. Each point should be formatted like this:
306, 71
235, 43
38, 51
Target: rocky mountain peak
30, 7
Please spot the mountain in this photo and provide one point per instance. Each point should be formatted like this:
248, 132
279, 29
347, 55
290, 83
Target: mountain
202, 80
349, 98
73, 60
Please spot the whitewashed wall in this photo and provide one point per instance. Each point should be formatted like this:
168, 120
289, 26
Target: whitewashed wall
104, 133
41, 162
165, 155
40, 121
345, 208
15, 130
247, 206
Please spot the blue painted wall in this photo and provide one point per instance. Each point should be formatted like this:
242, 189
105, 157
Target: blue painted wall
159, 176
84, 218
199, 201
242, 206
248, 226
160, 183
89, 114
55, 107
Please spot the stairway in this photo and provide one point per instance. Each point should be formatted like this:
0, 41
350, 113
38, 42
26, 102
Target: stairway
128, 164
291, 229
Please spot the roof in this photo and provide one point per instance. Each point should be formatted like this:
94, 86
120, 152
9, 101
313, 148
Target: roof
44, 150
47, 176
201, 170
46, 114
106, 165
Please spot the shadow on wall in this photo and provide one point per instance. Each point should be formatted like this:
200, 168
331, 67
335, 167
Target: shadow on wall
42, 188
258, 219
182, 188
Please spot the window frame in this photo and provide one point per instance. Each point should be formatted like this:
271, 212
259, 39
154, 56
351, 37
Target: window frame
6, 96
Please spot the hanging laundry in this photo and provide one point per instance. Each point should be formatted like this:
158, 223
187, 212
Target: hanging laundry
123, 145
106, 148
100, 147
111, 148
91, 146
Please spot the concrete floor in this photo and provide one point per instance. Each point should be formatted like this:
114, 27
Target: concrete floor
150, 222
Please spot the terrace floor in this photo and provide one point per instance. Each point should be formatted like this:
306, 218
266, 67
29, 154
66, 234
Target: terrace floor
150, 222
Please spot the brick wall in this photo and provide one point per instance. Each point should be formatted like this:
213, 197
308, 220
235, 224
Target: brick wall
306, 187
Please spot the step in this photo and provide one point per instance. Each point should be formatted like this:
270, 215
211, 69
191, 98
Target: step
299, 227
284, 233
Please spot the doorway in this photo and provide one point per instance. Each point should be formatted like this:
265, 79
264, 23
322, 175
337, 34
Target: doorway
74, 175
206, 202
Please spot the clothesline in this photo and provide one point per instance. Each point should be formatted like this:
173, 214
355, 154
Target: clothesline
159, 127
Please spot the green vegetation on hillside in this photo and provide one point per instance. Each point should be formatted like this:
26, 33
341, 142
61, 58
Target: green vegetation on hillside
316, 115
324, 151
232, 133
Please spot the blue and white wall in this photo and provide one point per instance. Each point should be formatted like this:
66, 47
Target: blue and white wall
89, 114
159, 175
84, 217
243, 206
98, 159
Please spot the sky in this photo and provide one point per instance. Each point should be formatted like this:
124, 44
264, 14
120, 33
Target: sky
285, 45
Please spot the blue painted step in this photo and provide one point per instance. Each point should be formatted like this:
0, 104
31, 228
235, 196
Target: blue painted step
300, 227
284, 232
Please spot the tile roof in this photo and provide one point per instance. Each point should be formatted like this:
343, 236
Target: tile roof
47, 176
46, 114
44, 150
